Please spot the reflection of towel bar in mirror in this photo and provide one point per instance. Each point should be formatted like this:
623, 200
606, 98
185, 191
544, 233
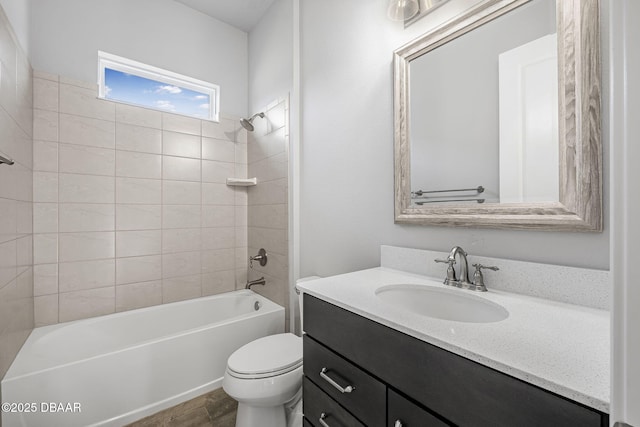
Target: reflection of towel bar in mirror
478, 189
451, 200
6, 160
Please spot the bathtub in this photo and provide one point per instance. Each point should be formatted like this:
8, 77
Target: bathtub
115, 369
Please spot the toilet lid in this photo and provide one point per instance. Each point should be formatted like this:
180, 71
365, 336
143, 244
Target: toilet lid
267, 356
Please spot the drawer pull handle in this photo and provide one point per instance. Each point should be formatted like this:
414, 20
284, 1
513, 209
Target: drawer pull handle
398, 423
347, 389
321, 420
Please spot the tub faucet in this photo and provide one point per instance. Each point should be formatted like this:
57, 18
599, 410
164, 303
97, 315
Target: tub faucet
259, 281
463, 281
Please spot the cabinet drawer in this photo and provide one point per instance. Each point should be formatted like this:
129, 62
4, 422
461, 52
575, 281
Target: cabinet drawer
366, 401
404, 413
438, 379
317, 405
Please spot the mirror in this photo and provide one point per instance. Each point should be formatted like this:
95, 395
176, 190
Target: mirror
497, 119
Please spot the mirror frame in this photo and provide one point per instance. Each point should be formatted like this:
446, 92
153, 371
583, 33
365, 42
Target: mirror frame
579, 125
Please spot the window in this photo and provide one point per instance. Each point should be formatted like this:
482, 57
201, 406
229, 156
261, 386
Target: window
123, 80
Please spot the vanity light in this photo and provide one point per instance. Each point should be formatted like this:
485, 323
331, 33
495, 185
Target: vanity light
402, 10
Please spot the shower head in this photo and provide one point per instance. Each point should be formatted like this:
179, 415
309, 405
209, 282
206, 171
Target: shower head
248, 123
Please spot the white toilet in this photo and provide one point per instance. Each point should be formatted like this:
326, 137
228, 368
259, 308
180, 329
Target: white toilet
265, 377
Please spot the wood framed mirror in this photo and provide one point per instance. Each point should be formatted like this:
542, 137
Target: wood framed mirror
448, 197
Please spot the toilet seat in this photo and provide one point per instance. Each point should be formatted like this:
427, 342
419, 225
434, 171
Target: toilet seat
266, 357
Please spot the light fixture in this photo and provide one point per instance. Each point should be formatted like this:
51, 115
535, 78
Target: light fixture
402, 10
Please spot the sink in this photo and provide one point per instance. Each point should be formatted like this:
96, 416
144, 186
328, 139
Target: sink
446, 304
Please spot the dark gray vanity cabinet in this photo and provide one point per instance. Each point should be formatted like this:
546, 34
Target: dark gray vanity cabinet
398, 380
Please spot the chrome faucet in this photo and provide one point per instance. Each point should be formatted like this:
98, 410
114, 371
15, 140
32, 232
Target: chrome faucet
463, 281
259, 281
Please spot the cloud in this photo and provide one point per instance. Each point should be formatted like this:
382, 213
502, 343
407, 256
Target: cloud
200, 97
168, 89
107, 90
204, 106
165, 105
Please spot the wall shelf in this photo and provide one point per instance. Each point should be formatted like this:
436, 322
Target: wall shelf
242, 182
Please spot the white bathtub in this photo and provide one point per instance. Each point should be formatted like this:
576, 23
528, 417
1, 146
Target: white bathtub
124, 366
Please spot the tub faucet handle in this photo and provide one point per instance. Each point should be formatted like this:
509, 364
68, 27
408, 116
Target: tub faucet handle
261, 258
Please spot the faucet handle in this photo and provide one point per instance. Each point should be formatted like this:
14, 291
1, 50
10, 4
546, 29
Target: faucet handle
451, 273
480, 267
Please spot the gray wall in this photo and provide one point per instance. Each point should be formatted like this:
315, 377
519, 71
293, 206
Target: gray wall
66, 35
347, 151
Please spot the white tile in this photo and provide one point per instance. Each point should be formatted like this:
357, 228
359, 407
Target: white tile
86, 160
180, 264
181, 288
87, 246
24, 253
45, 279
242, 236
181, 240
225, 129
87, 131
75, 217
218, 216
84, 102
138, 116
273, 239
45, 156
76, 188
241, 216
138, 295
138, 191
218, 238
138, 138
25, 217
217, 171
177, 123
218, 260
138, 165
45, 125
76, 276
9, 222
268, 216
45, 309
217, 194
45, 248
84, 304
138, 269
8, 262
138, 217
241, 154
268, 193
136, 243
181, 169
80, 83
45, 94
45, 217
217, 149
218, 282
181, 144
181, 193
181, 216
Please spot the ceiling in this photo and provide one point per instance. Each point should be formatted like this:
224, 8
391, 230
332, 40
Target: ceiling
242, 14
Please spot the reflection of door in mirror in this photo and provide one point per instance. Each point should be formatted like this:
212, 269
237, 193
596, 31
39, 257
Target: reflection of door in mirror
455, 129
529, 122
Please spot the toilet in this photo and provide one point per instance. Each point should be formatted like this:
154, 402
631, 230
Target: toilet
265, 377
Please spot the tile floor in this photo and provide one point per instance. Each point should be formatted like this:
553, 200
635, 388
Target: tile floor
214, 409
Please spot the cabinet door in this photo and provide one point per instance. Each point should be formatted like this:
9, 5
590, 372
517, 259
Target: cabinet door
404, 413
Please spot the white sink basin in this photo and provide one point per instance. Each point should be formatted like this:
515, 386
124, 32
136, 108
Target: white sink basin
447, 304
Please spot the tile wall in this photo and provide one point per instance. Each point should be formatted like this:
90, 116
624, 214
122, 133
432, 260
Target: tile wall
130, 204
268, 154
16, 255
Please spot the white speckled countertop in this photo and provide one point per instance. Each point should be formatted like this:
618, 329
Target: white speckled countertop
559, 347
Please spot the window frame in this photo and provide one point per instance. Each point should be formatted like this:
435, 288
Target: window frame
129, 66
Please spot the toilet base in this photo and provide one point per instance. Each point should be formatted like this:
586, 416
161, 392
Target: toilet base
251, 416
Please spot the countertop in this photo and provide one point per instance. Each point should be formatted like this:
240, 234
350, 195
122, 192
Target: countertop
559, 347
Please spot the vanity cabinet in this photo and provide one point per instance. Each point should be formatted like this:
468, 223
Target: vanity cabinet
396, 377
